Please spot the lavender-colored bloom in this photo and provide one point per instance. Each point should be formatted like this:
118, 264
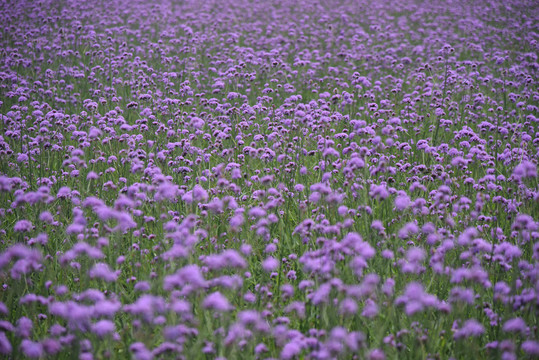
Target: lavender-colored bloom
290, 350
462, 294
103, 271
270, 264
5, 345
216, 301
103, 328
199, 193
188, 275
237, 221
31, 349
515, 325
415, 299
377, 225
227, 259
525, 169
46, 217
376, 354
51, 346
402, 202
257, 212
260, 348
370, 310
24, 327
23, 226
470, 328
57, 330
140, 352
530, 347
142, 286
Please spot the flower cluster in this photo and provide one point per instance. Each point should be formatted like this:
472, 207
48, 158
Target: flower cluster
246, 179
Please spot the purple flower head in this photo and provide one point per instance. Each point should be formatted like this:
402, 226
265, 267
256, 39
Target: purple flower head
526, 169
379, 192
348, 306
470, 328
378, 226
515, 325
24, 327
291, 350
530, 347
376, 354
199, 194
31, 349
227, 259
103, 328
140, 352
270, 264
51, 346
189, 275
5, 345
370, 310
103, 271
402, 202
415, 299
216, 301
23, 226
237, 221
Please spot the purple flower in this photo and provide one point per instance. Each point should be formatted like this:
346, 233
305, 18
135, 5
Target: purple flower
57, 330
376, 354
199, 194
408, 229
22, 158
379, 192
525, 169
46, 217
227, 259
257, 212
188, 275
237, 221
415, 299
515, 325
142, 286
530, 347
140, 352
103, 328
402, 202
64, 193
462, 294
92, 176
270, 264
348, 306
5, 345
260, 348
377, 225
32, 349
103, 271
51, 346
216, 301
471, 328
24, 327
290, 350
23, 226
370, 310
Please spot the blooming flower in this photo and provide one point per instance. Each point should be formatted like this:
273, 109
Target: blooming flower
216, 301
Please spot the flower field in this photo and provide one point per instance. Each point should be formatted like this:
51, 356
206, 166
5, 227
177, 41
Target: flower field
245, 179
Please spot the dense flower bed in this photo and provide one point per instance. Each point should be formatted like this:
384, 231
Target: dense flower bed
242, 179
